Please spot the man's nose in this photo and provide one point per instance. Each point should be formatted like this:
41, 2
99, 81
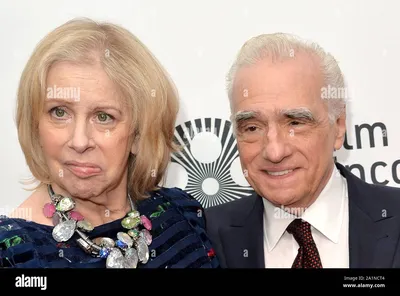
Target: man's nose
275, 145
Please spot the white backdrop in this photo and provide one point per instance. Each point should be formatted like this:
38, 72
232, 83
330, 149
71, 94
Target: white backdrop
197, 42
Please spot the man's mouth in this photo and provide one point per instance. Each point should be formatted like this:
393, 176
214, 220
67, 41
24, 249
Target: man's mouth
278, 173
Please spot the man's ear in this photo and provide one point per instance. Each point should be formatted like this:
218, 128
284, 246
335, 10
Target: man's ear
340, 130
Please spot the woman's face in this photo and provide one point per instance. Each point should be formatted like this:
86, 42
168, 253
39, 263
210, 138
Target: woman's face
84, 130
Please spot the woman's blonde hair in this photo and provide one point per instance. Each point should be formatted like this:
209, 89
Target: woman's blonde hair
145, 87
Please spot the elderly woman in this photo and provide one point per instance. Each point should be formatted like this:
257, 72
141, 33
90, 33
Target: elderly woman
95, 116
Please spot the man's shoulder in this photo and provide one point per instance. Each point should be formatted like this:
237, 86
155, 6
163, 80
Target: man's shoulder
386, 190
232, 205
225, 212
383, 195
371, 196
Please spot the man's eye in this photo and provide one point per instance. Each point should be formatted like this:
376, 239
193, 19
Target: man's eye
294, 122
251, 128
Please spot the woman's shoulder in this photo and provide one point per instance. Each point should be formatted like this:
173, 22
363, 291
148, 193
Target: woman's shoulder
174, 203
17, 241
182, 202
178, 229
175, 193
14, 226
179, 198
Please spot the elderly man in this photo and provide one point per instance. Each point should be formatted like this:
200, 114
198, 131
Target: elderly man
307, 210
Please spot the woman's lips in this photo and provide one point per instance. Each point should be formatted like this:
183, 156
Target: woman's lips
83, 169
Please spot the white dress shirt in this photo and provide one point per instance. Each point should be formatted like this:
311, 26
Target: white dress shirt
328, 217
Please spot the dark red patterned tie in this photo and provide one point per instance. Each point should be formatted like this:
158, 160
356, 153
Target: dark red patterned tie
308, 255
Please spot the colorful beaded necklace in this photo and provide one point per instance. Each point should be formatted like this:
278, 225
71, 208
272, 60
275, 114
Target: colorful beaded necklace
130, 247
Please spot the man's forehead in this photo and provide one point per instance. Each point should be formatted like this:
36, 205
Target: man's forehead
272, 79
249, 87
252, 83
276, 100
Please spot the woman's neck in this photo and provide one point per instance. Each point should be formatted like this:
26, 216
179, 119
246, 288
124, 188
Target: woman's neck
99, 209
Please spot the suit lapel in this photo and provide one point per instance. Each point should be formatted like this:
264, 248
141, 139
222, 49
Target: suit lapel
242, 241
373, 230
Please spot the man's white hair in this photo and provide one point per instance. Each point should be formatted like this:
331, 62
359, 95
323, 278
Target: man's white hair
280, 46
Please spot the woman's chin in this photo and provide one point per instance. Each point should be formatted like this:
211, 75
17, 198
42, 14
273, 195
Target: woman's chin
83, 188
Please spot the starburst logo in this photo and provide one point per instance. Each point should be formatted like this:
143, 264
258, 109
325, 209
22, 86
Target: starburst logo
208, 165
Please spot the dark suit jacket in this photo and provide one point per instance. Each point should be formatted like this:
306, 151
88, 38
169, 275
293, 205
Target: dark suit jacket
236, 228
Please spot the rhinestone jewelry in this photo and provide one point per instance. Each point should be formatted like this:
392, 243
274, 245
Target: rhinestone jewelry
129, 248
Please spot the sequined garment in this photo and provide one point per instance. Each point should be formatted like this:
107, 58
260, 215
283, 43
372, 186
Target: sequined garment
178, 229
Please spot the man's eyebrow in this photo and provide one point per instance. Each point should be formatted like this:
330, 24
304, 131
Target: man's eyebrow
245, 115
298, 113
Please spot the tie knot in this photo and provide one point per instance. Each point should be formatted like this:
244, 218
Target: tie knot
301, 231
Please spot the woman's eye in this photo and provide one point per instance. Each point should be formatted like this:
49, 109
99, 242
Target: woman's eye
104, 117
58, 112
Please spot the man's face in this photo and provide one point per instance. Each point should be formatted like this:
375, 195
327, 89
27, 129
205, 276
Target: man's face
285, 139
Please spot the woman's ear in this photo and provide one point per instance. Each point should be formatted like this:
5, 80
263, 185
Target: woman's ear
135, 143
134, 148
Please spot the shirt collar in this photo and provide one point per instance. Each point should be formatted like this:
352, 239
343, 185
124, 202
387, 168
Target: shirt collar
325, 214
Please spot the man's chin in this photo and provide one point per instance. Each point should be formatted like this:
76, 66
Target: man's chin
280, 197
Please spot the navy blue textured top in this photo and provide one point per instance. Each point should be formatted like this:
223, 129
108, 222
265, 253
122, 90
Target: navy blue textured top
178, 230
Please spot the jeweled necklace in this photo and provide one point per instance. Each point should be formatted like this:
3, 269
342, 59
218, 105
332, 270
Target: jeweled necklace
129, 248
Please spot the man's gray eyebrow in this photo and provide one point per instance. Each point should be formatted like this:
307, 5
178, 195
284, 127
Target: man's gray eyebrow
300, 113
244, 115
